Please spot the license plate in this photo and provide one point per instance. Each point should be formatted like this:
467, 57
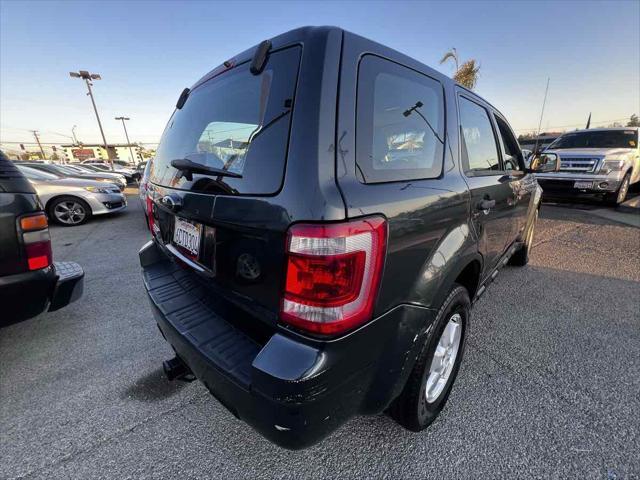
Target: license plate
582, 185
187, 235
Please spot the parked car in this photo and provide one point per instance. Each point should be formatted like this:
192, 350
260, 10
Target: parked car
601, 162
106, 173
73, 172
141, 167
302, 273
73, 201
116, 162
128, 174
30, 281
116, 178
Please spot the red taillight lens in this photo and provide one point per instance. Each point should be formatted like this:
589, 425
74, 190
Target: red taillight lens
333, 274
36, 239
38, 255
150, 212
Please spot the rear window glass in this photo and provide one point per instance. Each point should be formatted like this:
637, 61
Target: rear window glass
400, 123
237, 122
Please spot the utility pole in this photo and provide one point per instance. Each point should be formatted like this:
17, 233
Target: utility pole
86, 76
133, 159
35, 134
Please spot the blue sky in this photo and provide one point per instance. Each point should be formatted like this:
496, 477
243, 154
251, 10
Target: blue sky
148, 51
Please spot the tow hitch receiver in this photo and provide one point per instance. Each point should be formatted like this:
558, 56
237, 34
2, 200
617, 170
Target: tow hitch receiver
176, 369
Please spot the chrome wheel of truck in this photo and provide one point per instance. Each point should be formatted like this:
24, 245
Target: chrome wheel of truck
616, 198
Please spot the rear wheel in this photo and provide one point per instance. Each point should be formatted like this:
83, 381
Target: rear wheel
69, 211
436, 367
616, 198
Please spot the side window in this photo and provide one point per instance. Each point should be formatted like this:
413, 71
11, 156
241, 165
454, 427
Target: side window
513, 159
479, 149
400, 123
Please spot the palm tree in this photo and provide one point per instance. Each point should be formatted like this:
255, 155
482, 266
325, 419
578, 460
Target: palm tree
465, 74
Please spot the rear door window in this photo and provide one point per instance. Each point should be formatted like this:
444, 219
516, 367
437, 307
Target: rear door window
479, 148
237, 122
400, 123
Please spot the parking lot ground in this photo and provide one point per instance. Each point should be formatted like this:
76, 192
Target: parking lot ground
549, 386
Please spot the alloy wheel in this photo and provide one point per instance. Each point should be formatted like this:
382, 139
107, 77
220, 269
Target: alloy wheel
622, 192
69, 212
444, 358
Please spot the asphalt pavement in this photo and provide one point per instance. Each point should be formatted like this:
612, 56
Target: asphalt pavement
549, 386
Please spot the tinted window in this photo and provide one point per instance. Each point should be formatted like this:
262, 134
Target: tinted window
400, 121
479, 149
236, 121
598, 139
512, 154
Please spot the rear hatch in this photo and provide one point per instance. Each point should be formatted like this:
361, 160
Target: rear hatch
224, 226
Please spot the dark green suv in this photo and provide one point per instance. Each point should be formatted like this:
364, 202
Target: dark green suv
324, 212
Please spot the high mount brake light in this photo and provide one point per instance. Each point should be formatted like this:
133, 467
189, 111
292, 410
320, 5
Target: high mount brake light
333, 274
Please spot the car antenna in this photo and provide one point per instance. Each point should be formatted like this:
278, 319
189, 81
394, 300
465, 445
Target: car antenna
535, 148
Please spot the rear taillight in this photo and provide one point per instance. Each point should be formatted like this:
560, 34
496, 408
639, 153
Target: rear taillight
36, 240
333, 274
150, 212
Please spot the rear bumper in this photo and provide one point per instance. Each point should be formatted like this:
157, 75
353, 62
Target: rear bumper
291, 389
28, 294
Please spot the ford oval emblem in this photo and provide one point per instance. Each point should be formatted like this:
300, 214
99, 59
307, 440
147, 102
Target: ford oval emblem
172, 202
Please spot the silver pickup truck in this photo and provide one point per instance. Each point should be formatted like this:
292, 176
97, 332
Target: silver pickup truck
602, 161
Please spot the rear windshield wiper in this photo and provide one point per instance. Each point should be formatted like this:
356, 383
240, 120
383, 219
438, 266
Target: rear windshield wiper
188, 168
415, 108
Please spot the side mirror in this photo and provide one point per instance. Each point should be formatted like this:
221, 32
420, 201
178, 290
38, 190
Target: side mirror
545, 162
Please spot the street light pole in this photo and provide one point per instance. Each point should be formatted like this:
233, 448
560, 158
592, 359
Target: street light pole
73, 132
133, 159
86, 76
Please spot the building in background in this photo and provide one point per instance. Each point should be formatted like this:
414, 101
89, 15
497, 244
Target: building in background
120, 151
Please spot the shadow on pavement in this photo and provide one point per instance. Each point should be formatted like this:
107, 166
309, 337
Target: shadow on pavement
152, 387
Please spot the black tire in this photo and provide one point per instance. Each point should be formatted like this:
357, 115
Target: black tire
411, 409
53, 210
521, 257
619, 196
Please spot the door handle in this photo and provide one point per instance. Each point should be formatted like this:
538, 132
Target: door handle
486, 204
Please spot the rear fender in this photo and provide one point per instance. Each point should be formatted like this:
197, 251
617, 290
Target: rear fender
454, 253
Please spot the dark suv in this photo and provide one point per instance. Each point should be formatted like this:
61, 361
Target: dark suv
324, 212
30, 282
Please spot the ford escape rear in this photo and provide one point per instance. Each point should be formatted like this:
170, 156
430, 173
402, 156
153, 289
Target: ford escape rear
324, 210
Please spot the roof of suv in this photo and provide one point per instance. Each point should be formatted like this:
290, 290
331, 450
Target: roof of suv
12, 179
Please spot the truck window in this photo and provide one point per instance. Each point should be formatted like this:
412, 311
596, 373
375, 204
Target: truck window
400, 123
479, 149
